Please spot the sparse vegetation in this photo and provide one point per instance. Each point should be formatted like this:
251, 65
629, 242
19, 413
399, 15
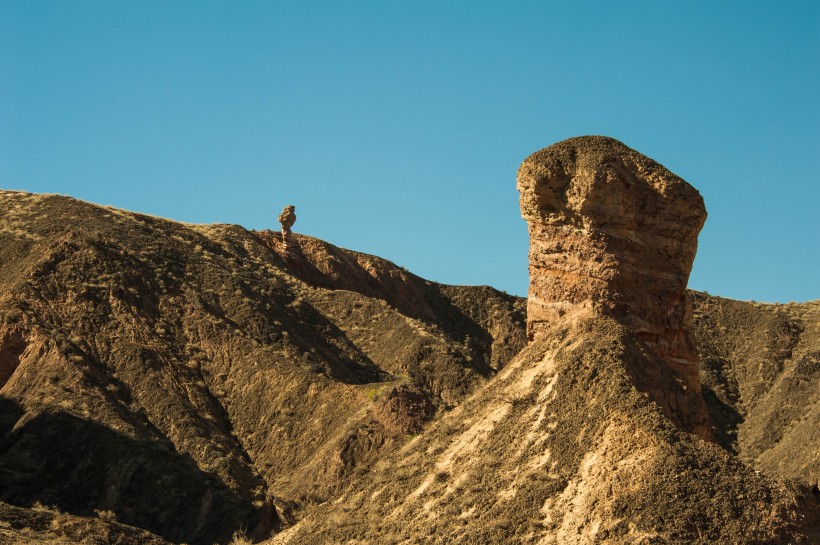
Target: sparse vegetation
240, 537
106, 514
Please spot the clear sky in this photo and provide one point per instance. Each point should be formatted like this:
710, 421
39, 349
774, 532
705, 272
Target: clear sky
396, 128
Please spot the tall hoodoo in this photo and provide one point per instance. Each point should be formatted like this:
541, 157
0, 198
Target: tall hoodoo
287, 218
612, 230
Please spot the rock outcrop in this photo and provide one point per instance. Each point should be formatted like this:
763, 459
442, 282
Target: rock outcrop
287, 218
613, 230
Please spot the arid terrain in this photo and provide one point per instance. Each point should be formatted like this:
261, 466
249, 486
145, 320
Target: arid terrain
163, 382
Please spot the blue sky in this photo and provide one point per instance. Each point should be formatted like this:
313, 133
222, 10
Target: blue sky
396, 128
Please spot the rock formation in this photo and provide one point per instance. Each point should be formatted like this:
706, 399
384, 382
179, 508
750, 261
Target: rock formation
287, 218
613, 230
193, 381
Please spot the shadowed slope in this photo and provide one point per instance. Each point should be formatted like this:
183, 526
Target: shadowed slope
761, 371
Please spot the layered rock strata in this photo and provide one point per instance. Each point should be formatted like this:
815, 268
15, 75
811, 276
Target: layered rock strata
615, 231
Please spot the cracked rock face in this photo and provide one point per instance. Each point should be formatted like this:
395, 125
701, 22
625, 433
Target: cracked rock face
612, 230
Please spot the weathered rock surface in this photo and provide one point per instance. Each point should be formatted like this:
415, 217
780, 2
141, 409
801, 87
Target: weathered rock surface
612, 230
287, 218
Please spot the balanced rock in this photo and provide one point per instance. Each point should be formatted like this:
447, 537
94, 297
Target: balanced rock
613, 230
287, 218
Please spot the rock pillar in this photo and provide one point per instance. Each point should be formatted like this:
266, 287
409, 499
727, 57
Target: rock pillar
287, 218
613, 230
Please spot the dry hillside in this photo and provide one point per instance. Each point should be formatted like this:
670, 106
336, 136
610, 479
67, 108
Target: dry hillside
164, 382
761, 374
193, 381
